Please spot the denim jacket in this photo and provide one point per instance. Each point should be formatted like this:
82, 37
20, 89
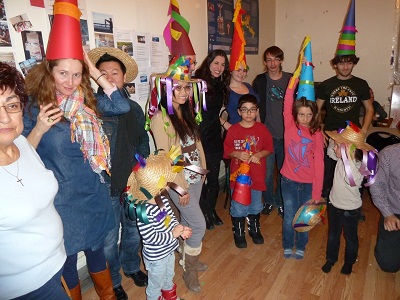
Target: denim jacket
82, 200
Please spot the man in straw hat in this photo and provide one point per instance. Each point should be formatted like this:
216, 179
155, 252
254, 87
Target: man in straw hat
385, 195
147, 195
127, 137
344, 93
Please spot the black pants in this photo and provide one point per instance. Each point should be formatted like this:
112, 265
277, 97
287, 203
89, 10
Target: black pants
348, 221
387, 249
329, 170
210, 189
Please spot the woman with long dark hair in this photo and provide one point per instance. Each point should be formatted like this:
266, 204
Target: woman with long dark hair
214, 70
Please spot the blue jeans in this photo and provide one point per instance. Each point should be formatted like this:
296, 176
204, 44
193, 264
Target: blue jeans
271, 197
52, 289
127, 255
294, 194
161, 275
239, 210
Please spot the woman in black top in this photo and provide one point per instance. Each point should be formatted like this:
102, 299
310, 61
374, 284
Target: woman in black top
215, 71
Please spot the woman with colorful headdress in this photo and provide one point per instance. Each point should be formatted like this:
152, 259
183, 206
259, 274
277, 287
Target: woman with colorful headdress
175, 125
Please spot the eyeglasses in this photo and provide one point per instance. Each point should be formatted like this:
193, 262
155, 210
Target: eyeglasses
13, 107
245, 110
270, 60
179, 88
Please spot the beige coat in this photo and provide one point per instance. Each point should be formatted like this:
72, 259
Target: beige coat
165, 141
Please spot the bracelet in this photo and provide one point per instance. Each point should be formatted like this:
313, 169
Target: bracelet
223, 124
99, 77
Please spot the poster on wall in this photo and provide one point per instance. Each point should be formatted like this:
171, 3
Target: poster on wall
33, 45
8, 58
220, 25
103, 30
5, 39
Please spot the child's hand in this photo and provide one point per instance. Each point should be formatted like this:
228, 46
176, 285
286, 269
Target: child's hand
244, 156
255, 158
178, 230
187, 232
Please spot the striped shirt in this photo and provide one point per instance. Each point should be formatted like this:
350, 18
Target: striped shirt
158, 240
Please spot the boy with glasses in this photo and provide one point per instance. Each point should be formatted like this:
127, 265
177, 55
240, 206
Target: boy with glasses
248, 142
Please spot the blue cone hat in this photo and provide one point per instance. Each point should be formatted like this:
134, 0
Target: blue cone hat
306, 83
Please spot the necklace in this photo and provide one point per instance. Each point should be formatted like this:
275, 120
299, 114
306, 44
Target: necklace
16, 176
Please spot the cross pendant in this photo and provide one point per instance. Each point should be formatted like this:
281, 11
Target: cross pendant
20, 181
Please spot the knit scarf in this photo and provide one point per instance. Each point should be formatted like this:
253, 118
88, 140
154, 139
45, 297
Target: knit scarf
86, 129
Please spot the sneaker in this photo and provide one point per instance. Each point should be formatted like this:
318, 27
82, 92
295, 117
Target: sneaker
346, 269
267, 209
326, 268
280, 211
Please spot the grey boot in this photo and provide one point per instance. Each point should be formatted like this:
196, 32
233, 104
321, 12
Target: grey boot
239, 232
253, 222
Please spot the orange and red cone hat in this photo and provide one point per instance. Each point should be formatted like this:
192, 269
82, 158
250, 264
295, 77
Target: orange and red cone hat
65, 40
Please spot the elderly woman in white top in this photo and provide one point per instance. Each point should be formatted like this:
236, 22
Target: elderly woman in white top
32, 251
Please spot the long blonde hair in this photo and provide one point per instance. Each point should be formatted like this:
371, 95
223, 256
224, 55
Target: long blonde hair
40, 84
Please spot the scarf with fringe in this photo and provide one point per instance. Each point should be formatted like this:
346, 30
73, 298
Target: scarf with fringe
86, 129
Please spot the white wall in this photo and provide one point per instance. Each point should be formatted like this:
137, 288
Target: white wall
283, 22
322, 20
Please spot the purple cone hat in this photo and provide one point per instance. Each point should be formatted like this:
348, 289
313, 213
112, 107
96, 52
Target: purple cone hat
347, 40
306, 83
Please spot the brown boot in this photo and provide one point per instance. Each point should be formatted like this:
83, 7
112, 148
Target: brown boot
201, 267
190, 275
76, 293
169, 294
103, 285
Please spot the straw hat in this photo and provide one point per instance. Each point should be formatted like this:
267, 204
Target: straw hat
308, 215
146, 182
351, 135
129, 63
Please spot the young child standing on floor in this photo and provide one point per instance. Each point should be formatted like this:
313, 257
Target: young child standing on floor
256, 138
344, 198
303, 165
156, 222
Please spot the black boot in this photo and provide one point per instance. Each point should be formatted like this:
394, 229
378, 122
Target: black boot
253, 222
215, 219
238, 232
209, 221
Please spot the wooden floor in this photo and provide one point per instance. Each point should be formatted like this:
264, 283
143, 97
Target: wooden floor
261, 272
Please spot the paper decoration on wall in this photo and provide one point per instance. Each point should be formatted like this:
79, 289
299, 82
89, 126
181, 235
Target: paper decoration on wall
21, 23
38, 3
33, 45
